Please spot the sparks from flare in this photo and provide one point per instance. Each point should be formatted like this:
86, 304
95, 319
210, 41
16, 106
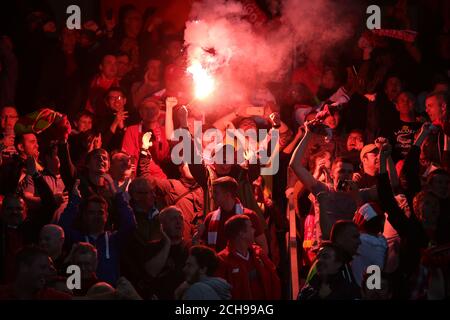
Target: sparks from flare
203, 82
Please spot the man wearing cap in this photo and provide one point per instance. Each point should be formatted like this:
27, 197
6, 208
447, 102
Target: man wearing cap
343, 193
370, 161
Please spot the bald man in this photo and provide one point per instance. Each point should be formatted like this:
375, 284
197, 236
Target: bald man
51, 239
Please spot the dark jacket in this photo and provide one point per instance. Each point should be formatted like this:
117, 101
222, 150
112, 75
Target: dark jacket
412, 235
28, 231
110, 244
342, 286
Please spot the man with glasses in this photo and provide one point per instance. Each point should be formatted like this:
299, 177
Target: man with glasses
113, 125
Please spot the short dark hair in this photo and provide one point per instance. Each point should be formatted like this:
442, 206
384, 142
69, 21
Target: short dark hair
19, 138
359, 131
205, 257
115, 89
228, 184
339, 228
118, 151
438, 94
28, 254
84, 113
235, 225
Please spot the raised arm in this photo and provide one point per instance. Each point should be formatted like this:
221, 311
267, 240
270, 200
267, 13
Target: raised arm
389, 163
127, 221
291, 146
67, 169
300, 171
198, 170
70, 214
408, 228
171, 102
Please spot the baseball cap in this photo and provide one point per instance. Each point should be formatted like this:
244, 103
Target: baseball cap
368, 148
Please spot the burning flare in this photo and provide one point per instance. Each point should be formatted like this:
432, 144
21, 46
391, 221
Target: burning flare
203, 82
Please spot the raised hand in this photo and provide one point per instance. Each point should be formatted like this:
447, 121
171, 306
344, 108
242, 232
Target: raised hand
171, 102
98, 141
275, 119
380, 141
147, 140
249, 155
95, 143
183, 116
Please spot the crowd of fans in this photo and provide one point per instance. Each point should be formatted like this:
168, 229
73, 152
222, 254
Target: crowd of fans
87, 179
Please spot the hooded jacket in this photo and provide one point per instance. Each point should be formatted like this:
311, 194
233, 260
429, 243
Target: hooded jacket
371, 251
209, 288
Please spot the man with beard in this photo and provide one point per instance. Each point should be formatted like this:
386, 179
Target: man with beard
200, 283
